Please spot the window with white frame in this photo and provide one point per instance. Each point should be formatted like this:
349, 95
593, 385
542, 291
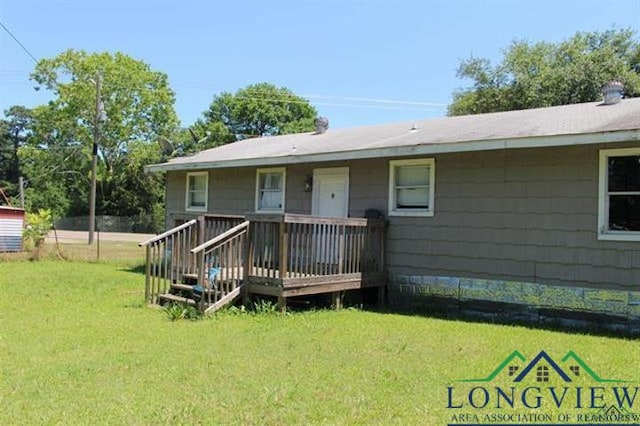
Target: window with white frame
197, 191
270, 186
619, 195
411, 187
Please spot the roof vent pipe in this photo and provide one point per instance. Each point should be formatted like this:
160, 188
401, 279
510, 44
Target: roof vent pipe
612, 92
322, 124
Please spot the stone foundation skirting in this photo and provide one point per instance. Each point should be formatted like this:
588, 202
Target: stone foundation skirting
511, 301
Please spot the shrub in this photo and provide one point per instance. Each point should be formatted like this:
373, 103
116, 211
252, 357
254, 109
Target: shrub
36, 230
178, 311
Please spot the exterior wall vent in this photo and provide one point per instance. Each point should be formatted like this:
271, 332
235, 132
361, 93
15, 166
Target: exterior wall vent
612, 92
322, 124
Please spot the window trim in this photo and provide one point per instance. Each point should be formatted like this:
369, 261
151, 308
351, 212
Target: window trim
187, 206
281, 170
393, 164
603, 198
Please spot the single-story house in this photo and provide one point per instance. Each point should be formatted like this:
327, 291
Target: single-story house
536, 209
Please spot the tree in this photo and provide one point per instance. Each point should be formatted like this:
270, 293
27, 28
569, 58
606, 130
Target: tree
15, 130
200, 136
547, 74
138, 104
258, 110
53, 163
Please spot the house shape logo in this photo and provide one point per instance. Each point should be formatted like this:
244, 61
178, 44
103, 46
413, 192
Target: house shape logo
542, 366
612, 410
578, 366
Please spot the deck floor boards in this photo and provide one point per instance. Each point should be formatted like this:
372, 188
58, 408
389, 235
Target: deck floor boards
267, 281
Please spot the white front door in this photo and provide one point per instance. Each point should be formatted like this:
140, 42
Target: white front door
330, 199
330, 192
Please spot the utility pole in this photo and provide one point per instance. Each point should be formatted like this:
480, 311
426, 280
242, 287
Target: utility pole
94, 163
21, 185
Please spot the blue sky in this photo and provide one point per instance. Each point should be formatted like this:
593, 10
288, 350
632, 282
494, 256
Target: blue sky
333, 52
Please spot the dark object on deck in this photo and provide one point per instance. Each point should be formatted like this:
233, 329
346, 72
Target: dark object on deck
197, 292
373, 214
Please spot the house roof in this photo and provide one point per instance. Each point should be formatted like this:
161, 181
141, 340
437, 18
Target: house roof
10, 208
574, 124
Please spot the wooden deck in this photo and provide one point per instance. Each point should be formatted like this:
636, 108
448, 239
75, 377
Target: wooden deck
300, 286
303, 255
276, 255
266, 281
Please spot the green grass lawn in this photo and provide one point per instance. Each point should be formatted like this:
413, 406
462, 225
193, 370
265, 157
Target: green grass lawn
78, 346
109, 251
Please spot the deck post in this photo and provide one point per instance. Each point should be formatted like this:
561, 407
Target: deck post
202, 281
342, 235
147, 278
336, 300
201, 230
247, 265
283, 245
282, 304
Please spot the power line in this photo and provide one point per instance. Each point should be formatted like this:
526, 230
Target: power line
377, 100
322, 99
386, 104
198, 85
334, 104
18, 41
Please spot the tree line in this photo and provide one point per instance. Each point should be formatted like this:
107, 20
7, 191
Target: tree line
51, 145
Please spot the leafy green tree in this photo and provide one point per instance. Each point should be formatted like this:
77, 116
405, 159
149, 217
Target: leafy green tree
257, 110
138, 105
200, 136
54, 164
547, 74
15, 130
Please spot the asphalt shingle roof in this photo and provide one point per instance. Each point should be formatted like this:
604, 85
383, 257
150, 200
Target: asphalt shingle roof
446, 134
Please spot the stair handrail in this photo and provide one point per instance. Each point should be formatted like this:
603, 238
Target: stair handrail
167, 233
219, 238
160, 271
201, 252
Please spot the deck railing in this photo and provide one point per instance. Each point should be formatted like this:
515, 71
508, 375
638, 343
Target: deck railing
297, 246
169, 255
229, 253
220, 264
168, 258
210, 226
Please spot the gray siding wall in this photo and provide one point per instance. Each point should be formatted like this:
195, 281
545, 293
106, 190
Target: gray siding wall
527, 215
365, 186
231, 191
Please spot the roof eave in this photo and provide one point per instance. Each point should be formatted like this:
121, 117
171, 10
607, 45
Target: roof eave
410, 150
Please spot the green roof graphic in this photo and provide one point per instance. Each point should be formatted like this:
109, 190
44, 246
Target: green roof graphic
570, 356
585, 367
514, 354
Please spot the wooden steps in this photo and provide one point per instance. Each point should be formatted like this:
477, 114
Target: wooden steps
187, 289
183, 292
168, 297
190, 279
182, 287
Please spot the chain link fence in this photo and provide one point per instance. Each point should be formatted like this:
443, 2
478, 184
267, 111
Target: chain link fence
144, 224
